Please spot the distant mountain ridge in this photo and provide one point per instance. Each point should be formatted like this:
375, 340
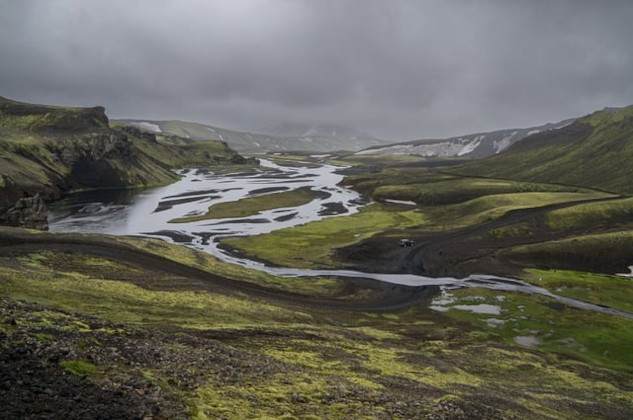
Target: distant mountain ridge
474, 146
284, 137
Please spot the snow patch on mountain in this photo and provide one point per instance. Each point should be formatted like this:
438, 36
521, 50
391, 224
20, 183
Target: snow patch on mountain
147, 126
504, 143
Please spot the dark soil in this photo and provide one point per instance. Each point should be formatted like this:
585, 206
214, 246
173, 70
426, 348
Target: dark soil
461, 252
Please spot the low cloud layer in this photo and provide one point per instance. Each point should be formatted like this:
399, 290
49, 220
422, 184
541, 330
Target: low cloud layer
394, 68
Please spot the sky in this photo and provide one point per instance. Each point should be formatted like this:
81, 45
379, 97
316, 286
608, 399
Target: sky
395, 69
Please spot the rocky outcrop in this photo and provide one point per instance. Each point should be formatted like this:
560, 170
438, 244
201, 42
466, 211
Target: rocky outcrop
28, 212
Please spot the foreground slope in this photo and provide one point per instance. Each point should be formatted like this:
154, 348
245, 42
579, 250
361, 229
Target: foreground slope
98, 327
595, 151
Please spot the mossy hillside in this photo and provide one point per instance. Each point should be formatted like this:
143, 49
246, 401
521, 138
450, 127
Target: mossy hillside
452, 191
310, 245
253, 205
74, 149
368, 182
593, 152
269, 360
492, 207
37, 118
597, 215
600, 252
121, 301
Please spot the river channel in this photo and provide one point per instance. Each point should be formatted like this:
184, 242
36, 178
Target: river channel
148, 212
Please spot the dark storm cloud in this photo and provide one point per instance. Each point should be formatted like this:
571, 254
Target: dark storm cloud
397, 69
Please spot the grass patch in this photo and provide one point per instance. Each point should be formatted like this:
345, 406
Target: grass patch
252, 205
592, 214
120, 301
310, 245
492, 207
604, 252
600, 289
459, 190
596, 338
78, 367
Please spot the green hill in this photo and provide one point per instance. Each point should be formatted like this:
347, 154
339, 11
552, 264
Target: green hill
596, 151
52, 150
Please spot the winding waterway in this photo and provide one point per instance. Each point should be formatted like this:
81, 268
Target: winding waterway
148, 213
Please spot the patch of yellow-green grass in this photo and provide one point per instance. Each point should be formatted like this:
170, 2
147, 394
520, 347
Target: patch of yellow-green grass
600, 289
310, 245
459, 190
492, 207
78, 367
288, 397
252, 205
592, 214
596, 338
597, 251
120, 301
385, 160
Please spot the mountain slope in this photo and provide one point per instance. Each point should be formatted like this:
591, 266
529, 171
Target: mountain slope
476, 145
284, 138
595, 151
50, 150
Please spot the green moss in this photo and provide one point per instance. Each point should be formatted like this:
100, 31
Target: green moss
596, 338
123, 302
600, 289
78, 367
594, 152
492, 207
310, 245
595, 252
592, 214
253, 205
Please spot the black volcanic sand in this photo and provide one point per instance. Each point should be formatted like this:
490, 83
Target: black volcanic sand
286, 217
268, 190
168, 204
331, 209
175, 235
461, 252
201, 192
226, 222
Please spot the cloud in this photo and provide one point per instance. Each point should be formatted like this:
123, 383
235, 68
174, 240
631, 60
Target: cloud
398, 69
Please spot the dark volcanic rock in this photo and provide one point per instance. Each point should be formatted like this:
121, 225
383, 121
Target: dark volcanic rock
28, 212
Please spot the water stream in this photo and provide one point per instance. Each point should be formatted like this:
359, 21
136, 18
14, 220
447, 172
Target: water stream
148, 213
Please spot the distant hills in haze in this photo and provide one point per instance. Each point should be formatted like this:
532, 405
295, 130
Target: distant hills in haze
281, 138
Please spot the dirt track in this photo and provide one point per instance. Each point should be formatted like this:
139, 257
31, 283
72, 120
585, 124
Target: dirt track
376, 295
455, 253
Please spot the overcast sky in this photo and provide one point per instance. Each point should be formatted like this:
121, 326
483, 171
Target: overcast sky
395, 69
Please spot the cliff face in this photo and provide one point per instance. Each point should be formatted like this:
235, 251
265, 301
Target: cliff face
28, 212
48, 151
